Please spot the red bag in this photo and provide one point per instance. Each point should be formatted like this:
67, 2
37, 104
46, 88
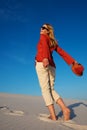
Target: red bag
77, 69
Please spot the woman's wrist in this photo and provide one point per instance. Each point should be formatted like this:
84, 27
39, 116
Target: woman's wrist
74, 62
45, 62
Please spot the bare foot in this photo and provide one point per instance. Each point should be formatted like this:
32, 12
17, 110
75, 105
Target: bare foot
66, 114
55, 118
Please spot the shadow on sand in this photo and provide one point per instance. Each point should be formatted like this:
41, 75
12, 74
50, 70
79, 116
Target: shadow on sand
73, 115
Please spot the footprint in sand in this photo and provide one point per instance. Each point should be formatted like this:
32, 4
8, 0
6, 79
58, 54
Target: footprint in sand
70, 124
8, 111
75, 126
15, 113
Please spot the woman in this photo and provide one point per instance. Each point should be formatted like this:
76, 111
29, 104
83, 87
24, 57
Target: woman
45, 68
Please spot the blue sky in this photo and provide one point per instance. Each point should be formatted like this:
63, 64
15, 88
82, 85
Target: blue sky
20, 22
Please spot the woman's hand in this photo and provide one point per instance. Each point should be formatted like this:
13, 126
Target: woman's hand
45, 62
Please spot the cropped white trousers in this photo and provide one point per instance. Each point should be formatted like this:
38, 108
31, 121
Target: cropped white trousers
46, 77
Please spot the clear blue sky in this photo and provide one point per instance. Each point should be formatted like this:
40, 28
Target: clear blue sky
20, 22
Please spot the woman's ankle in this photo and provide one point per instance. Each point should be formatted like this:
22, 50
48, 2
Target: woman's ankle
52, 112
66, 114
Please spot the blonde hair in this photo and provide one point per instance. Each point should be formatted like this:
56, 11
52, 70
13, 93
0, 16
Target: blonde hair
51, 35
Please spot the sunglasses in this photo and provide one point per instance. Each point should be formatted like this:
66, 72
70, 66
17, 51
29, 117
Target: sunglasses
44, 28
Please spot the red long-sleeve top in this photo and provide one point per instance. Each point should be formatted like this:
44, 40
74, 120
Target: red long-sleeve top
45, 51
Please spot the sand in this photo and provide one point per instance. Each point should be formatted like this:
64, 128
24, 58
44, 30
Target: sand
22, 112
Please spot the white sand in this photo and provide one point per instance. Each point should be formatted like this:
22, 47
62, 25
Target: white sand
21, 112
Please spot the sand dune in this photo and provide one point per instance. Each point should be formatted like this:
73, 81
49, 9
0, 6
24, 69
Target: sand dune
21, 112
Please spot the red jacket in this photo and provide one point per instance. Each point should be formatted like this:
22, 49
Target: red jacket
45, 51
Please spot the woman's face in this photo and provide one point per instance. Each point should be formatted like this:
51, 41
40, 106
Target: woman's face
44, 29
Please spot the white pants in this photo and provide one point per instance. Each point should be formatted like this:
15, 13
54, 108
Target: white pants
46, 78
